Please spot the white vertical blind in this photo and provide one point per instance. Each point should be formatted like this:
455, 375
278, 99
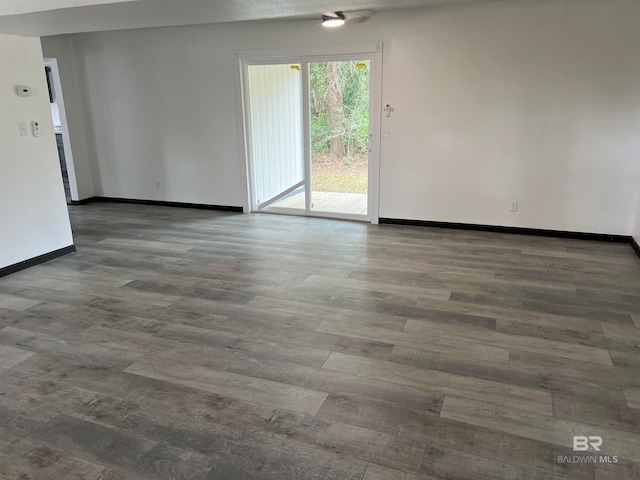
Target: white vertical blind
275, 95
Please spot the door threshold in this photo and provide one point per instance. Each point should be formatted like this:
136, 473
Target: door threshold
329, 215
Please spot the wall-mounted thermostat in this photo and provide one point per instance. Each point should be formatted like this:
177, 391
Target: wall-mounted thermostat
23, 91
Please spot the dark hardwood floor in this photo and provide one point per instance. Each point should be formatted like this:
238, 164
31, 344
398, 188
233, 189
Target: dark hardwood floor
193, 344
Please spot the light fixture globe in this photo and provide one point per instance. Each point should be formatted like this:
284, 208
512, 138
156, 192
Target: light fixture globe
334, 20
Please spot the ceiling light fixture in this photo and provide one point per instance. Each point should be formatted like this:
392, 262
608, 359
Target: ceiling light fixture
333, 20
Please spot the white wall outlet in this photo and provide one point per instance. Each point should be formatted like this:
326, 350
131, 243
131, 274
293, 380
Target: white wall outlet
23, 129
157, 184
35, 127
514, 206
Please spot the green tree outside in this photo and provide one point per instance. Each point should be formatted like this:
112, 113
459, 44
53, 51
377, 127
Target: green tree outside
339, 105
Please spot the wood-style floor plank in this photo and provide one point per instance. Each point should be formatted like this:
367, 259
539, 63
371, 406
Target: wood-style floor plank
180, 343
633, 397
25, 459
240, 386
535, 400
539, 427
10, 356
503, 340
377, 472
431, 340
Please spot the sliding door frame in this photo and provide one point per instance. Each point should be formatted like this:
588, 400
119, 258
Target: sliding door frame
304, 57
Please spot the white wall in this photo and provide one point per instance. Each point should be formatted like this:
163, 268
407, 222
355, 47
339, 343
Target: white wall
33, 211
534, 100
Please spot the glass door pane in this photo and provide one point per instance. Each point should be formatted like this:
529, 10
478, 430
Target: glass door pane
339, 98
277, 160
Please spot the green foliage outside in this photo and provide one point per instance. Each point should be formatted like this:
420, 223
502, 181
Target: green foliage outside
355, 95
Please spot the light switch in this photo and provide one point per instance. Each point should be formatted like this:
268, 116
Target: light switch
385, 132
23, 130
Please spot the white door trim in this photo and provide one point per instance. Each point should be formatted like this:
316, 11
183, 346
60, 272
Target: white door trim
244, 141
66, 140
284, 55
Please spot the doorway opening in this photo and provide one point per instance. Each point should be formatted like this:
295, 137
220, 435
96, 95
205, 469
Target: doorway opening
59, 118
311, 127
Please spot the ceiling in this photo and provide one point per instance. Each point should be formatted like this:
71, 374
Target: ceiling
14, 7
52, 17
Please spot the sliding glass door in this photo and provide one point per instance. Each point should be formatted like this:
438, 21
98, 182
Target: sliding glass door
309, 133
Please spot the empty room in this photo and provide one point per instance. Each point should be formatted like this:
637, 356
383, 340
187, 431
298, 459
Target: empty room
320, 240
